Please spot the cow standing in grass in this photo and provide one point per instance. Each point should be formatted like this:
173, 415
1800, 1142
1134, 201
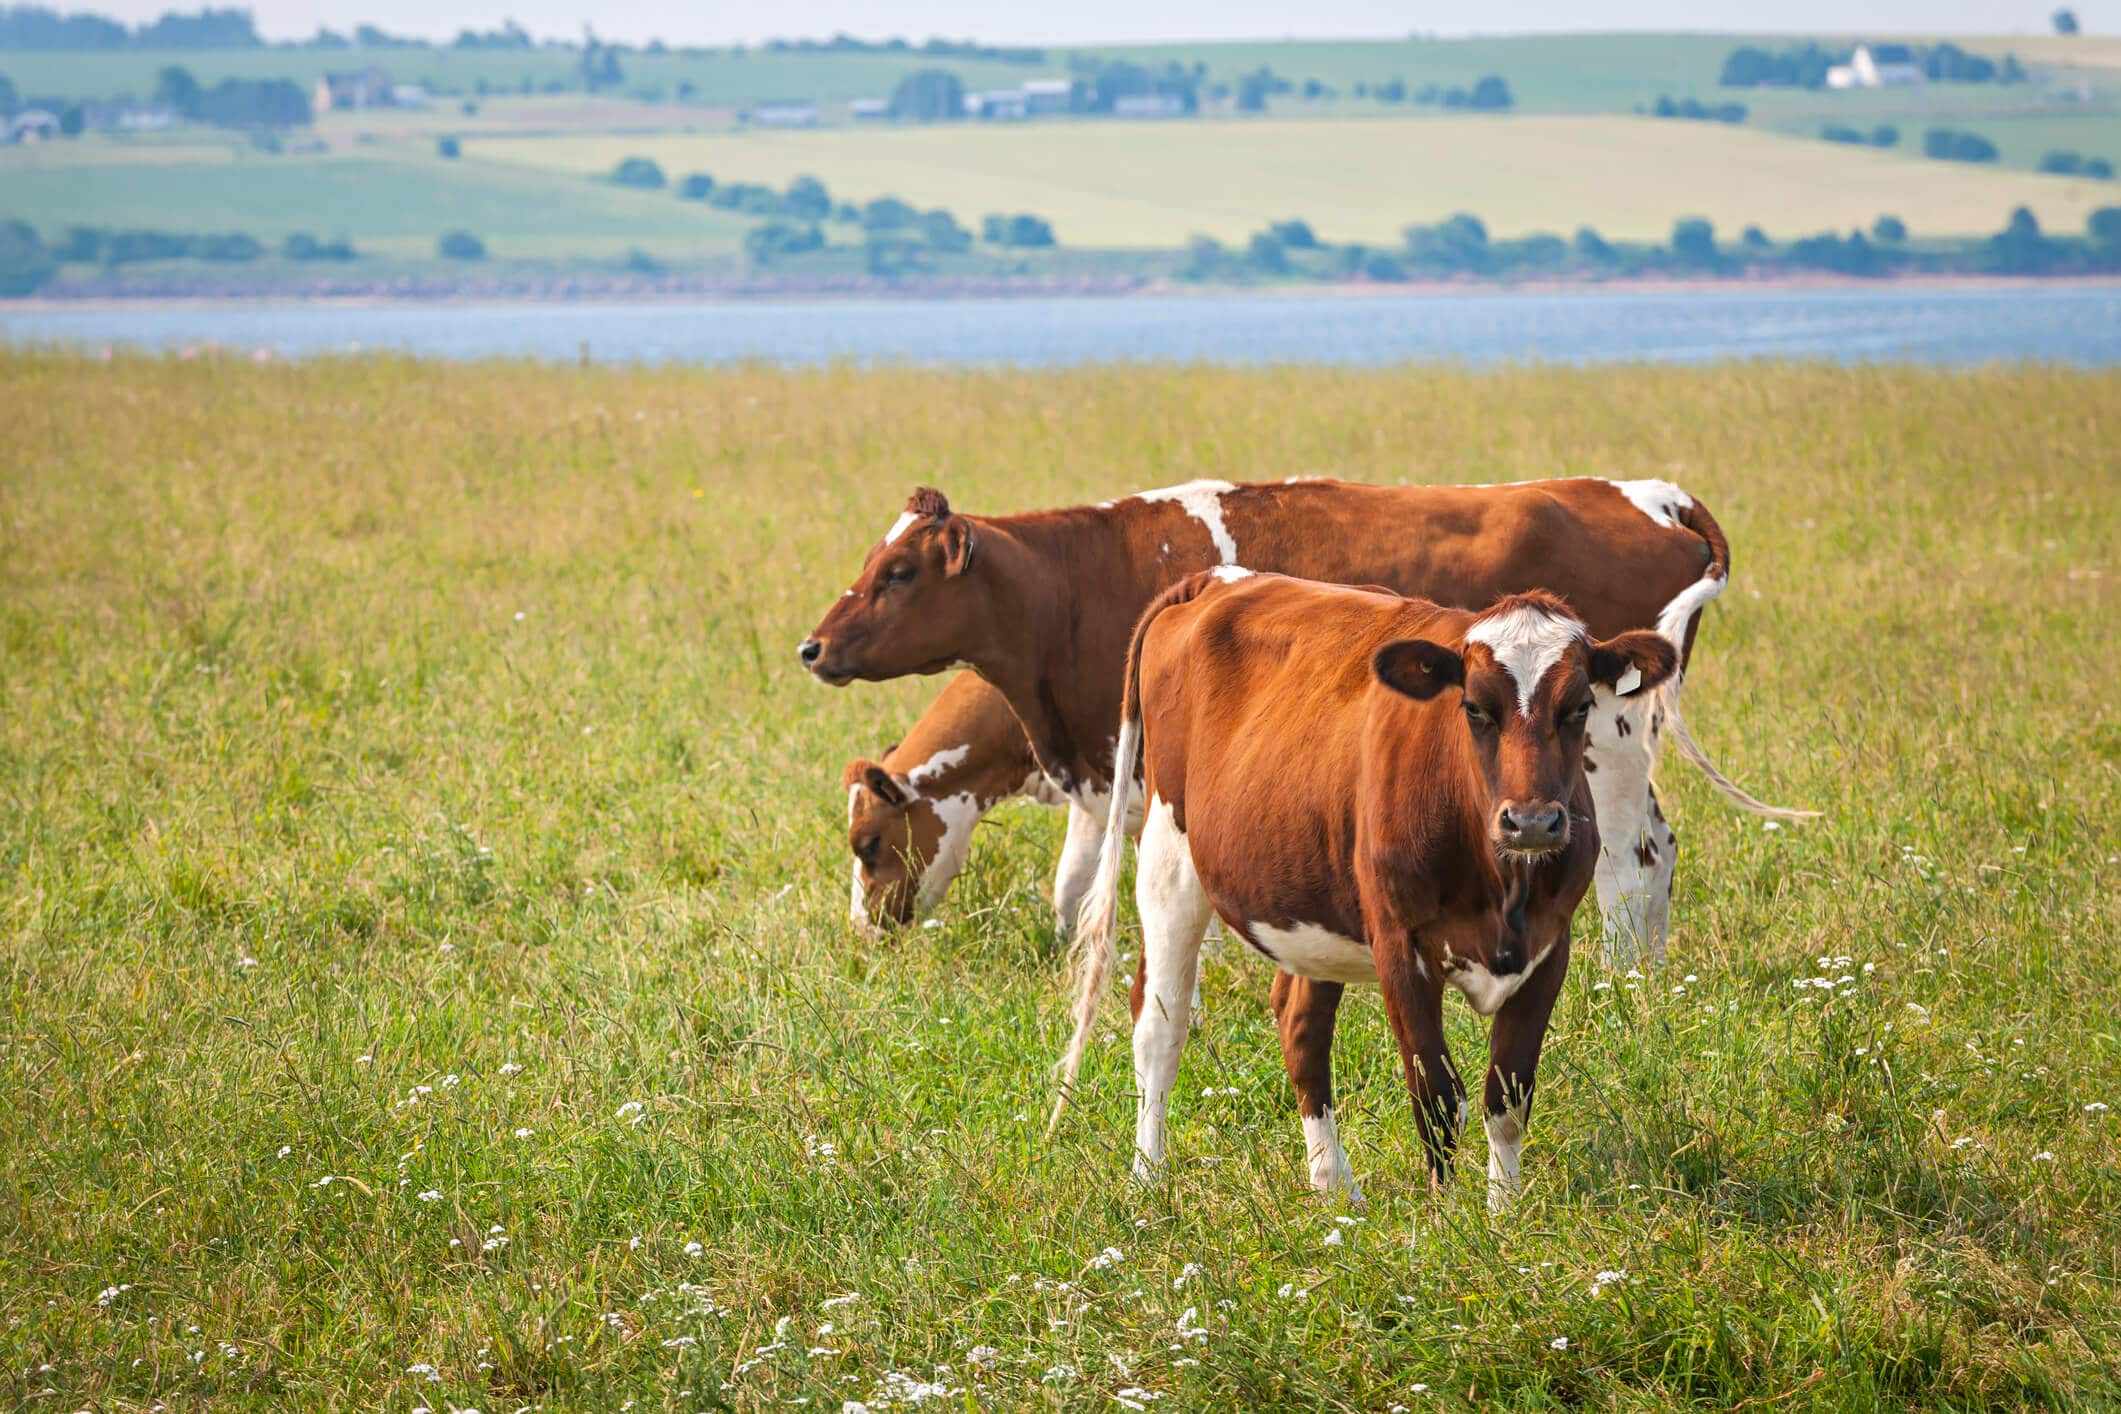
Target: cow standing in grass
1041, 605
1364, 788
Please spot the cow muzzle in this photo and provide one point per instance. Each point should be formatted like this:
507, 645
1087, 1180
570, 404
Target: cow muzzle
812, 653
1532, 827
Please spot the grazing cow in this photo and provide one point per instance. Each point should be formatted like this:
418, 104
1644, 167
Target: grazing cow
1365, 789
910, 816
1041, 606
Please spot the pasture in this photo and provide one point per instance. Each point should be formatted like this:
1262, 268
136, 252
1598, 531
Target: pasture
1113, 184
426, 981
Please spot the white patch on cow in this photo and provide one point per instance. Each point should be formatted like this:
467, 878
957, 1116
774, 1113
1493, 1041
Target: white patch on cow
1526, 642
1174, 911
1230, 574
1311, 951
1505, 1146
1202, 500
959, 813
899, 527
1486, 991
937, 764
1330, 1170
857, 904
1634, 900
1661, 501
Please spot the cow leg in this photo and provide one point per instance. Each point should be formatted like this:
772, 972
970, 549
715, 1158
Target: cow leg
1513, 1049
1632, 903
1078, 865
1174, 909
1304, 1011
1414, 1006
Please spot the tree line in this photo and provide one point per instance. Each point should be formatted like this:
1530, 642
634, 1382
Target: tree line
35, 28
1805, 65
1461, 247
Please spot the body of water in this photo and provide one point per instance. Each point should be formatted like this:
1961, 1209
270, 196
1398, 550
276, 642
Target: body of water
2071, 324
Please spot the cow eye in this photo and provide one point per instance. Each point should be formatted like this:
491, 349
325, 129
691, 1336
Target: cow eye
1578, 715
868, 849
1477, 715
899, 574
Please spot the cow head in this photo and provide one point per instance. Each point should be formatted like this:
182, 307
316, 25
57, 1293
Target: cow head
883, 831
1525, 676
906, 612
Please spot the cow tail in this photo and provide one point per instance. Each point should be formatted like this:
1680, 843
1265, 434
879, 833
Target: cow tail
1097, 922
1676, 623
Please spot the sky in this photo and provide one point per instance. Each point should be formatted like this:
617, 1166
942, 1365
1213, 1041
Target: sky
1114, 21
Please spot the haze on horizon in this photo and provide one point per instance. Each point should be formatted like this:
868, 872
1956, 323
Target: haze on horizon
1116, 21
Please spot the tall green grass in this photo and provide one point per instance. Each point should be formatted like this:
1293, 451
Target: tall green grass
423, 980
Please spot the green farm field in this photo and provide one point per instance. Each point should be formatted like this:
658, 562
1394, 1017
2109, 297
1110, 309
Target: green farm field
1117, 184
426, 980
393, 202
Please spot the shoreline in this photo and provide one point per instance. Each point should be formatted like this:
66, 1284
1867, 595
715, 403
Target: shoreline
852, 291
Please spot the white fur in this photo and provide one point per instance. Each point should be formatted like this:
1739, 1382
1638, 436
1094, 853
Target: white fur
899, 527
1230, 574
959, 813
1202, 500
1330, 1170
1078, 864
1505, 1147
1526, 643
1634, 903
857, 906
1174, 910
1311, 951
1486, 991
937, 764
1661, 501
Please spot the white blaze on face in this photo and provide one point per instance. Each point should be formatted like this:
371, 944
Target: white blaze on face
1526, 643
1202, 500
1661, 501
899, 527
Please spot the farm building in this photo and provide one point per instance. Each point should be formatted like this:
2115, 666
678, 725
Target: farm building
32, 125
1000, 105
1048, 96
353, 88
869, 110
1149, 105
1877, 66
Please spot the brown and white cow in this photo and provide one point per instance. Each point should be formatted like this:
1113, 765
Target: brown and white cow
1365, 789
1041, 605
910, 815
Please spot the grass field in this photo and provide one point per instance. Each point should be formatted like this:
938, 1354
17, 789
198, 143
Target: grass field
1111, 184
426, 984
396, 203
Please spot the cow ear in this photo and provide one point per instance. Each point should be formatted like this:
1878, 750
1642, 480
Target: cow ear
959, 545
1633, 662
879, 782
1418, 668
887, 787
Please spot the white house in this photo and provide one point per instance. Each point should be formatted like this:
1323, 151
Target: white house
869, 110
1877, 66
1149, 105
1048, 96
999, 105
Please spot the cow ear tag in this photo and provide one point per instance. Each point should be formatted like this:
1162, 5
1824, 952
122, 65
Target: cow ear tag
1629, 681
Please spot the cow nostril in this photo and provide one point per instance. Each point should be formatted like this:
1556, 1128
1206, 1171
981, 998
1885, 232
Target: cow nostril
810, 651
1554, 822
1507, 822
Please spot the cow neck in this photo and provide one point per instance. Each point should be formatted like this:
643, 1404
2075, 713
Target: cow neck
1042, 656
